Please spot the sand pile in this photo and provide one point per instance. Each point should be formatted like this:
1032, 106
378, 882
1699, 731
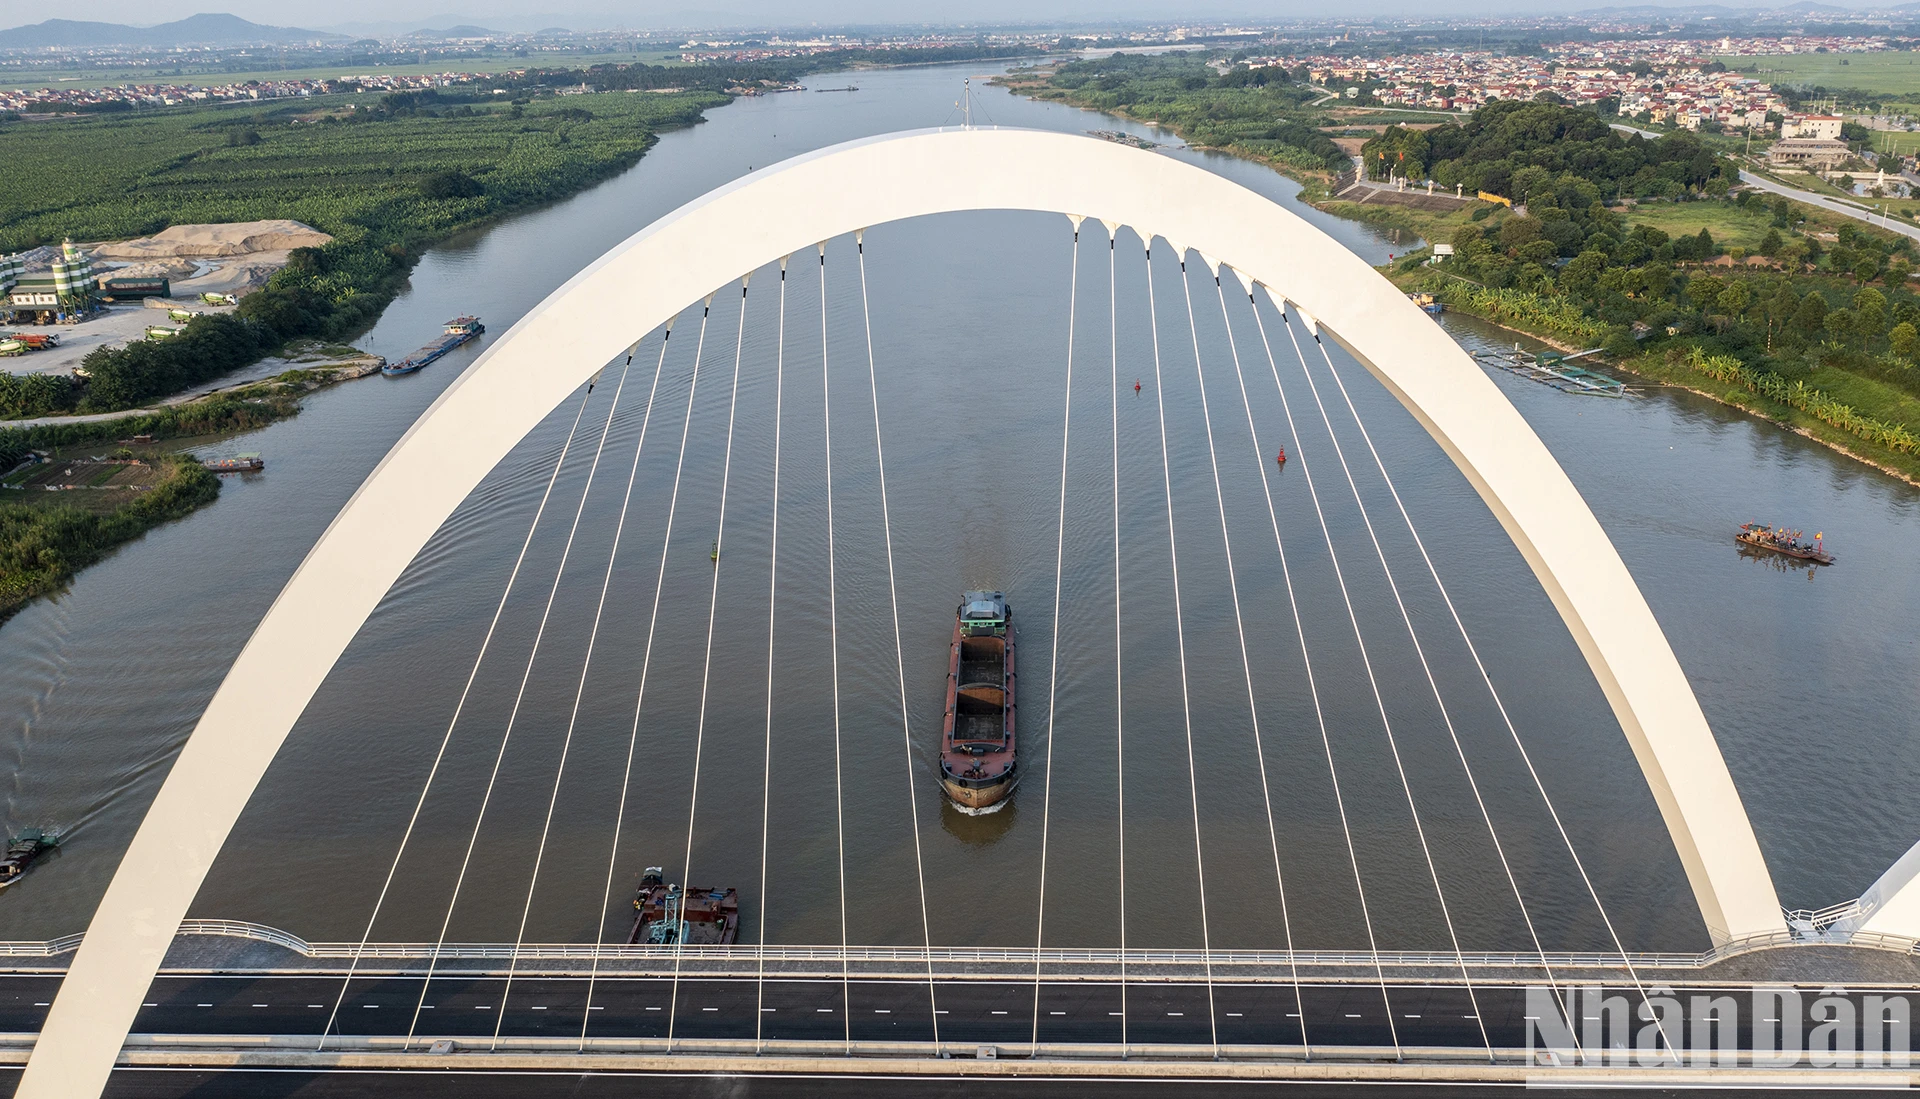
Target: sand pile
232, 239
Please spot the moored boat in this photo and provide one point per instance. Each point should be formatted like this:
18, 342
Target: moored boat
693, 915
456, 332
22, 851
979, 766
1786, 542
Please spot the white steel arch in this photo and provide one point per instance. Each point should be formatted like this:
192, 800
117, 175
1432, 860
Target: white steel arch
712, 241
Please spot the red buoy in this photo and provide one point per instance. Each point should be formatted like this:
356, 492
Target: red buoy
1282, 459
1136, 385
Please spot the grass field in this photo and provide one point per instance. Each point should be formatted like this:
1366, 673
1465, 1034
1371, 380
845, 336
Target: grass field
1897, 142
1730, 225
1894, 73
203, 75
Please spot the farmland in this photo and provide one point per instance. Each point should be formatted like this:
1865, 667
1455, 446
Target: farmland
1894, 74
352, 169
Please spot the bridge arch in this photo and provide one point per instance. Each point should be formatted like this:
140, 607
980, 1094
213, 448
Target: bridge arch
645, 280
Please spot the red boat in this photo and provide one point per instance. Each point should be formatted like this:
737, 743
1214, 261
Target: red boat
1783, 541
978, 764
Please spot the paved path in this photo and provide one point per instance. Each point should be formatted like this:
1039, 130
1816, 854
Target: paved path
1872, 217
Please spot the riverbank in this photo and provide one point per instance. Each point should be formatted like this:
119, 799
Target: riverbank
1695, 373
149, 479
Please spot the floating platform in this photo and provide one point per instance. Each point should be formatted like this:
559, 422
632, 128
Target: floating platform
1553, 368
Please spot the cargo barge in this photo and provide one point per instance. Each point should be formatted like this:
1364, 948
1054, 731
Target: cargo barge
22, 851
979, 767
696, 916
1784, 542
456, 332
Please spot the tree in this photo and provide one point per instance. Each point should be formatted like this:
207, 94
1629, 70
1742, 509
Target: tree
1867, 267
1703, 245
1905, 338
1811, 315
1771, 243
1733, 301
1703, 289
1840, 326
1869, 312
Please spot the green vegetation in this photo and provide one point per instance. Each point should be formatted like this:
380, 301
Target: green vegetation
385, 178
1504, 139
1893, 73
1736, 296
42, 547
1259, 113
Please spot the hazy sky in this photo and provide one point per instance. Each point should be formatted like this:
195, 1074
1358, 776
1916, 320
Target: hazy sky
531, 14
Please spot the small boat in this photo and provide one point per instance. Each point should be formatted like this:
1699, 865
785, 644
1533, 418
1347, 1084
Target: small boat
22, 851
454, 333
696, 916
1786, 542
239, 463
978, 764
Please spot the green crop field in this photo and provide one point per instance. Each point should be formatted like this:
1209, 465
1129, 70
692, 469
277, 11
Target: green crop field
105, 77
1894, 73
126, 175
1897, 142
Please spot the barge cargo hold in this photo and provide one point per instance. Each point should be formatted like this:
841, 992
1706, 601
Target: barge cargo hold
979, 766
696, 916
456, 332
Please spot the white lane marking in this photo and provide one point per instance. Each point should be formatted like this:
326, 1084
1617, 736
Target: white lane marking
149, 1005
823, 1010
882, 1011
597, 1007
999, 1013
1234, 1014
1176, 1014
197, 1005
1409, 1016
260, 1005
1056, 1013
539, 1007
709, 1009
369, 1005
43, 1003
316, 1005
769, 1009
1113, 1013
483, 1007
1353, 1016
653, 1009
1293, 1015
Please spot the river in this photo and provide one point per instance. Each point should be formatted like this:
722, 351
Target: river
1806, 676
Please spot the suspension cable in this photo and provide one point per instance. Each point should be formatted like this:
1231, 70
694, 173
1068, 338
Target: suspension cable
1239, 625
1512, 731
1319, 713
646, 658
706, 673
1053, 675
833, 633
1180, 635
1393, 745
773, 591
1119, 677
899, 658
440, 756
506, 738
566, 744
1420, 650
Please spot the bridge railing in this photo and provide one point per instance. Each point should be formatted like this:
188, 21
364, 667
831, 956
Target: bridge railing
1809, 933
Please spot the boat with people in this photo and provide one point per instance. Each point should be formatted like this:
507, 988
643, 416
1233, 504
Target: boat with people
1789, 543
22, 851
665, 913
454, 333
979, 764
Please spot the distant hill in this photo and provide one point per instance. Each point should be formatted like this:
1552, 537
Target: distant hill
459, 30
195, 30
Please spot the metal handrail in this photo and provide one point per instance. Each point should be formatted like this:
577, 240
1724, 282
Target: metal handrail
1058, 956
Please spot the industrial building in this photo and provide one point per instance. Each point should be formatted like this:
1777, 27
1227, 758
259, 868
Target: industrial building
43, 286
